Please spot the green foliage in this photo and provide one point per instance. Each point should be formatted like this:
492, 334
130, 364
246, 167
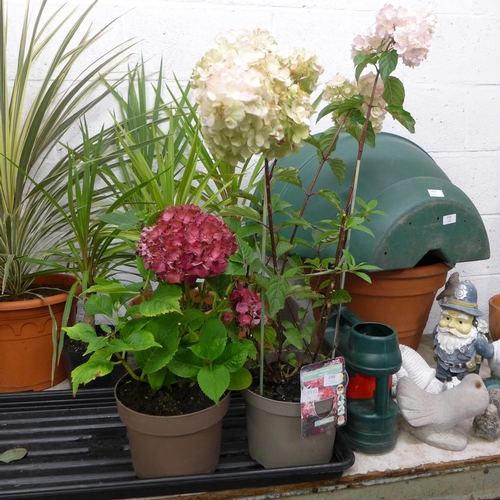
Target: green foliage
168, 334
30, 225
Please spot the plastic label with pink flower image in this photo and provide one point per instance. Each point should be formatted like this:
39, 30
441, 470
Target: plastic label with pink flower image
322, 396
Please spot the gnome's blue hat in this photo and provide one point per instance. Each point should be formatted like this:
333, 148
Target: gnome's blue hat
464, 299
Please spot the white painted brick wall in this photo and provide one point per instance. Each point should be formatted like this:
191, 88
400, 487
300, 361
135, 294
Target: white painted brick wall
454, 95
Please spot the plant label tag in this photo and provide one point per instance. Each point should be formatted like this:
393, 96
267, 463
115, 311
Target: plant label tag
322, 396
435, 193
449, 219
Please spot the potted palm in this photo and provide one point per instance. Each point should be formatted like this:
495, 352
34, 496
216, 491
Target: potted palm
187, 356
252, 99
29, 224
93, 248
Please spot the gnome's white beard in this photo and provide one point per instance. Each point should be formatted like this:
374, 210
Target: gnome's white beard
450, 342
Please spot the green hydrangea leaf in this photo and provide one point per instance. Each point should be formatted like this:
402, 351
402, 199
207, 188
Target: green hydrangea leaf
214, 381
99, 304
394, 92
340, 297
387, 64
337, 166
402, 116
85, 333
108, 287
136, 341
185, 364
89, 371
165, 299
156, 379
331, 196
81, 331
350, 103
290, 175
233, 357
192, 319
294, 337
219, 284
165, 332
329, 108
276, 294
123, 220
283, 247
240, 379
240, 211
213, 339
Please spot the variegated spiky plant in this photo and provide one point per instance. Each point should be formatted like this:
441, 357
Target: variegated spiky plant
34, 115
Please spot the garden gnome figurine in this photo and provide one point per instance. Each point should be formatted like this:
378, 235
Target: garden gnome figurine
459, 345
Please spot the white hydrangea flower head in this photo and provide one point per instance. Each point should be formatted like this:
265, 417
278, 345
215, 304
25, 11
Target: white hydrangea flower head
378, 112
409, 30
252, 99
340, 88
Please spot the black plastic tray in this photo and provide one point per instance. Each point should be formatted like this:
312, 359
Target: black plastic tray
78, 447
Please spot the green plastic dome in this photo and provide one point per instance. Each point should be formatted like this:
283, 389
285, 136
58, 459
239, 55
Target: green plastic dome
426, 214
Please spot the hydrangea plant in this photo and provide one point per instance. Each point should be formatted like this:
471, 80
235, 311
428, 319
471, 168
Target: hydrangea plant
253, 98
179, 329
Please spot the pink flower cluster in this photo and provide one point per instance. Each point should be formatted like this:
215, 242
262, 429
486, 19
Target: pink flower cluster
247, 306
185, 244
410, 31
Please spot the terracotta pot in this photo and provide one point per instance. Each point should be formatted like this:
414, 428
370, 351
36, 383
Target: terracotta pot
401, 299
26, 345
494, 317
275, 437
174, 446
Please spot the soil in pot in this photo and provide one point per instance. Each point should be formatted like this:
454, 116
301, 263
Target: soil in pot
34, 291
179, 399
287, 391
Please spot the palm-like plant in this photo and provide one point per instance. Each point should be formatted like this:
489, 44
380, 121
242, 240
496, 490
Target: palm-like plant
163, 160
30, 224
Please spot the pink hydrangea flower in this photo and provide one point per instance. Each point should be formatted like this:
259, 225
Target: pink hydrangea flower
246, 305
409, 30
185, 244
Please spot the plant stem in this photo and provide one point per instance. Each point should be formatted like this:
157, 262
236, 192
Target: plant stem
262, 294
344, 243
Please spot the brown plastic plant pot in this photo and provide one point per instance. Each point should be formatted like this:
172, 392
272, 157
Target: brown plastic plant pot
174, 446
275, 436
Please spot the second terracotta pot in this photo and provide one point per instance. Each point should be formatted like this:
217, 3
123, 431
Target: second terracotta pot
401, 299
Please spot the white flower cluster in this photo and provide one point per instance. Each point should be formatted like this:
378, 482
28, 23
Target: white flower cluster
409, 31
252, 99
340, 88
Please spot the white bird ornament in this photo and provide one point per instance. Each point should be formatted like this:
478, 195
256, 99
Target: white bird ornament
443, 419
